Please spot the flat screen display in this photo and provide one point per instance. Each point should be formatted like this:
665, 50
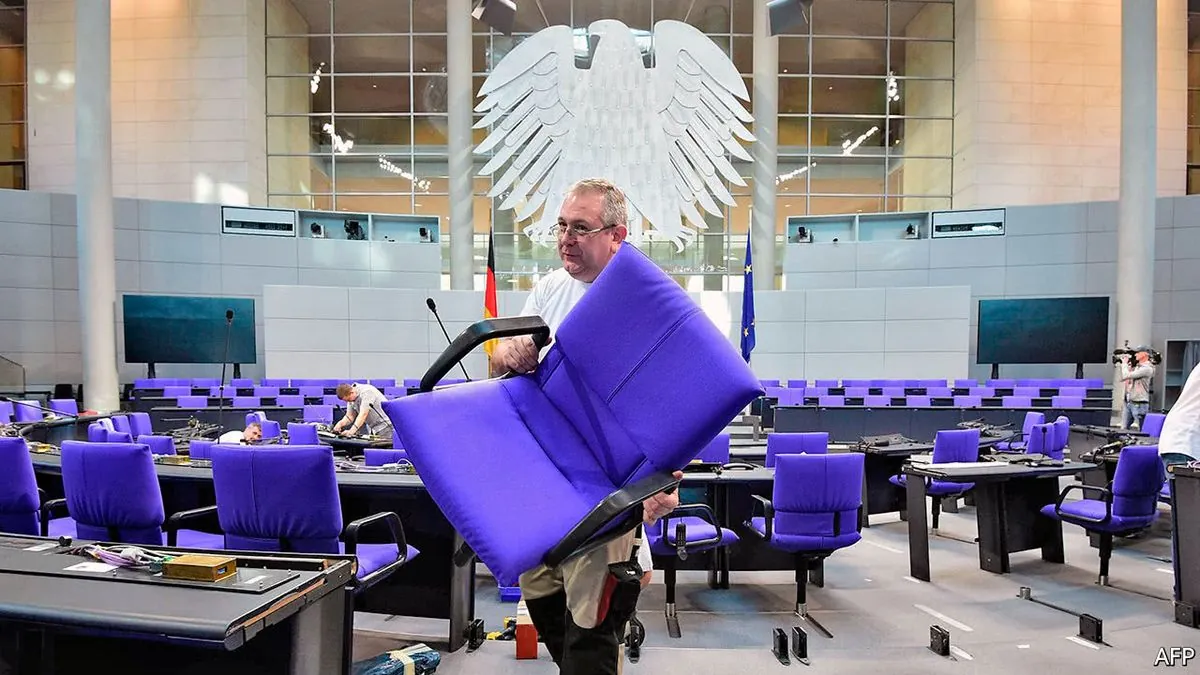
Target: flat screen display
1043, 330
178, 329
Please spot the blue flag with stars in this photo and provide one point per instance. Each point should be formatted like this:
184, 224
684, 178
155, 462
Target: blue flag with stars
748, 305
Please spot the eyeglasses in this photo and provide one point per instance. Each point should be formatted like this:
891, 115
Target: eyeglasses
577, 230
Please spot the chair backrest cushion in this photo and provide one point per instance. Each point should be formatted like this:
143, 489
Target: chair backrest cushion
19, 501
282, 497
113, 486
810, 489
809, 442
1137, 480
717, 450
956, 445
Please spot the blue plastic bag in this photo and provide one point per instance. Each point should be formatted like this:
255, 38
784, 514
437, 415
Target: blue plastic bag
415, 660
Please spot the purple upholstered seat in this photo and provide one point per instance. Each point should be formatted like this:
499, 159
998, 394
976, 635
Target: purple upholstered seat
1016, 401
66, 406
381, 456
98, 431
810, 443
318, 413
1080, 392
246, 402
637, 381
113, 494
876, 401
200, 448
380, 383
1128, 504
286, 499
192, 401
266, 392
967, 401
982, 392
6, 412
949, 446
311, 390
121, 424
1017, 442
1028, 392
831, 401
1153, 423
176, 392
917, 401
826, 384
275, 382
20, 503
159, 445
797, 384
857, 392
939, 392
25, 411
244, 382
717, 450
139, 424
302, 434
1066, 401
894, 392
289, 401
813, 510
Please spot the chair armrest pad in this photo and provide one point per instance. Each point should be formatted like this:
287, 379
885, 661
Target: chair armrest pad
701, 511
392, 520
479, 333
768, 516
610, 518
47, 512
1104, 492
176, 521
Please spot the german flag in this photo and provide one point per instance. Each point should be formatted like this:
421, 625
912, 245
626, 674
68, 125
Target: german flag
490, 310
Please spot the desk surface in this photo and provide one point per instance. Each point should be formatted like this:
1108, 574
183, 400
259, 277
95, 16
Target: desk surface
37, 590
984, 471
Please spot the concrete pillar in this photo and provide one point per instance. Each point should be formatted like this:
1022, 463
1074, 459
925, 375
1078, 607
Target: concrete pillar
94, 203
459, 105
765, 150
1136, 206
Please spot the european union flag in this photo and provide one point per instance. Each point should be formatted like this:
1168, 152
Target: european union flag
748, 305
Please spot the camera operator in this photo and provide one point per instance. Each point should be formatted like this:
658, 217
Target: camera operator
1136, 373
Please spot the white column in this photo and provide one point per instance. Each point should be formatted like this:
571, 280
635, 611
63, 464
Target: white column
765, 150
459, 105
94, 203
1136, 206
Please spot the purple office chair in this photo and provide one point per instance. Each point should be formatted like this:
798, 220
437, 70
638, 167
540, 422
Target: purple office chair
311, 390
22, 510
286, 499
381, 383
1080, 392
318, 413
302, 434
113, 495
289, 401
1016, 401
1128, 504
98, 431
200, 448
1029, 392
831, 401
982, 392
246, 402
1062, 434
159, 445
894, 392
877, 401
381, 456
65, 406
565, 455
176, 392
395, 392
939, 392
952, 445
121, 424
967, 401
206, 382
810, 443
6, 412
266, 392
857, 392
139, 424
1017, 441
814, 510
917, 402
192, 402
25, 412
690, 528
1152, 424
244, 382
1066, 401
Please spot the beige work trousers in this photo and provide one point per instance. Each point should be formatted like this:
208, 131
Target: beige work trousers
583, 576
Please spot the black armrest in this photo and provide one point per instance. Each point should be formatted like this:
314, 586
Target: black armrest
1104, 492
741, 466
701, 511
768, 516
479, 333
350, 534
175, 523
47, 512
610, 518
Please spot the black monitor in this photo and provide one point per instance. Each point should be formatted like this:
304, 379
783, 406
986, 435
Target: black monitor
1043, 330
180, 329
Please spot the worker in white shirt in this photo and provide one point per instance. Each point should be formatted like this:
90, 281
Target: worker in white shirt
251, 434
1179, 440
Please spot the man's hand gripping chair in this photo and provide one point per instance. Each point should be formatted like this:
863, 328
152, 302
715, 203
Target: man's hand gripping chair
541, 467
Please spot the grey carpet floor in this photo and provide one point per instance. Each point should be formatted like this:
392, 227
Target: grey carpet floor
880, 618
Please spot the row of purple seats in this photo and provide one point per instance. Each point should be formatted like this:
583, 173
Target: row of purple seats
1032, 384
877, 401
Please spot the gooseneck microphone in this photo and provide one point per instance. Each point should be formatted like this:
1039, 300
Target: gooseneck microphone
37, 406
224, 361
433, 308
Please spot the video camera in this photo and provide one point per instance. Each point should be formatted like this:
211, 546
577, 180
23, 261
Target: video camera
1121, 354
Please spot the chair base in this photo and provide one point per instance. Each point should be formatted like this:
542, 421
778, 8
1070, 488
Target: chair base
802, 612
673, 622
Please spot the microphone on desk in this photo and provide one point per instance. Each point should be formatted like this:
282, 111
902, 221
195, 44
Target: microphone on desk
224, 361
433, 308
38, 406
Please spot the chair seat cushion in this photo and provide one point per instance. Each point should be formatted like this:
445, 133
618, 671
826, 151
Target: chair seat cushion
799, 544
935, 488
445, 432
696, 529
62, 527
1009, 445
197, 539
1081, 511
372, 557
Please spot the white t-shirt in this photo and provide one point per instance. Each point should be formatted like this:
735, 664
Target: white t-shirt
552, 298
234, 437
1181, 429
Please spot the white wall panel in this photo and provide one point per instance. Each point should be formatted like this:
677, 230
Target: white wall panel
851, 304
